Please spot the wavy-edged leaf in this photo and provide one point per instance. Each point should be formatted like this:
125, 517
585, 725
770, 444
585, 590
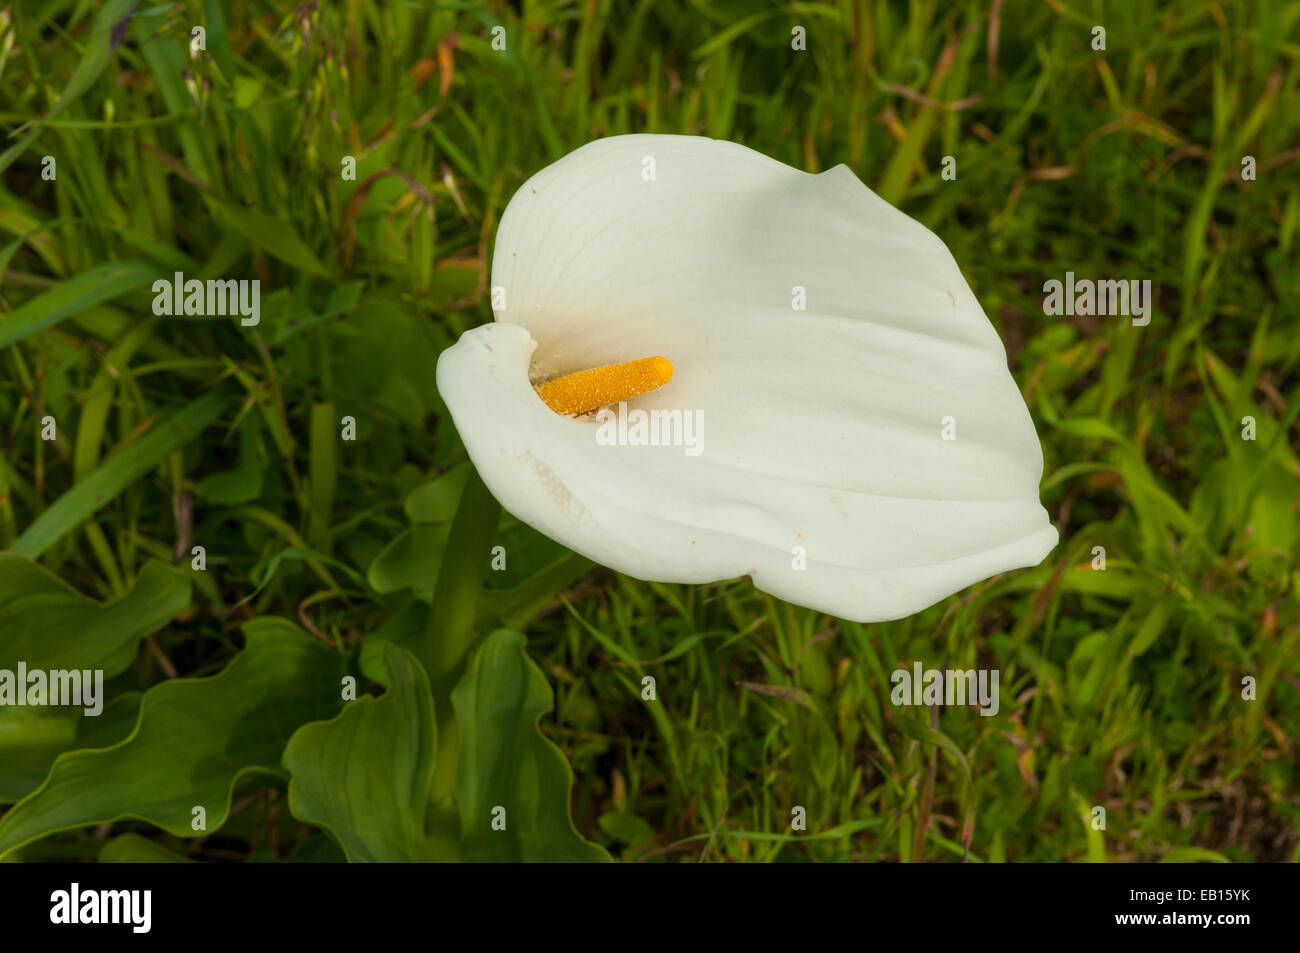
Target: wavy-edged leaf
412, 560
195, 740
365, 775
48, 624
31, 738
506, 762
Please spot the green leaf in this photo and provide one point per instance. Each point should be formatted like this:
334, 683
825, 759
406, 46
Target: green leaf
292, 313
73, 296
452, 281
411, 560
436, 501
525, 553
275, 237
48, 624
243, 483
98, 400
169, 62
532, 566
626, 827
404, 627
311, 558
134, 849
1274, 519
195, 740
455, 595
384, 353
127, 464
506, 762
513, 608
218, 40
31, 738
729, 35
1086, 671
365, 775
922, 732
248, 91
1152, 626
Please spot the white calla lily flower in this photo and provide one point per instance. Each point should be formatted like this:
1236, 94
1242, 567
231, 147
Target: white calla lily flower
865, 455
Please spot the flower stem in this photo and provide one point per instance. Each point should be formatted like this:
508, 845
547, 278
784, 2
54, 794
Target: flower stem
450, 633
455, 595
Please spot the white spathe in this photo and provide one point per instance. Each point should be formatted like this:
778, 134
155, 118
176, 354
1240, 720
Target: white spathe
823, 428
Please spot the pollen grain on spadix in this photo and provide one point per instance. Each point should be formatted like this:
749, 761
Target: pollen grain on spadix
596, 387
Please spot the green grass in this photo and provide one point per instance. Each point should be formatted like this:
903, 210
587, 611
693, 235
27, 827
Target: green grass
1120, 689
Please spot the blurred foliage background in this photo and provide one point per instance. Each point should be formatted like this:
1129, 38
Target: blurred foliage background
1121, 688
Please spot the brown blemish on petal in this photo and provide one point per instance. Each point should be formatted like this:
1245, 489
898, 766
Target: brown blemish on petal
559, 493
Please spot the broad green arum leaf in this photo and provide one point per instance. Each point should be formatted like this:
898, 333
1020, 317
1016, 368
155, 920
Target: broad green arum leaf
194, 742
823, 429
46, 625
512, 785
365, 775
49, 625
